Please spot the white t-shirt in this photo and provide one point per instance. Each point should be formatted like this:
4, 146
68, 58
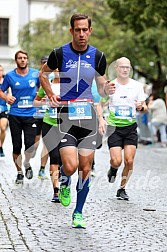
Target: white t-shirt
125, 95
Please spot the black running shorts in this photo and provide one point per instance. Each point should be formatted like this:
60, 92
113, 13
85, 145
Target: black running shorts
121, 136
80, 133
27, 125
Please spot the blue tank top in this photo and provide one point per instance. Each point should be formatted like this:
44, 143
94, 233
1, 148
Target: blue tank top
77, 73
23, 89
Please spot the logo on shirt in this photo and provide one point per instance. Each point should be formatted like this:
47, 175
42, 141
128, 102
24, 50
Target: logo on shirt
71, 64
31, 83
17, 84
85, 65
74, 64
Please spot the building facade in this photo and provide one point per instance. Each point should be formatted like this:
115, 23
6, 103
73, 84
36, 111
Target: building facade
14, 14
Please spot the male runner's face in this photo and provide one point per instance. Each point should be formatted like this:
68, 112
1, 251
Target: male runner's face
80, 33
22, 61
123, 69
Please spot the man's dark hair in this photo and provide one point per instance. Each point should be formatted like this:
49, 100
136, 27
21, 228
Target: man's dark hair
44, 59
21, 51
79, 16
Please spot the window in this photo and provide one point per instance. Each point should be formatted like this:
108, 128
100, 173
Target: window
4, 30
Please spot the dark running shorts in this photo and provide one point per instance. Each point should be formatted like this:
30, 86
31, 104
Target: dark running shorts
39, 126
50, 136
27, 125
121, 136
79, 133
4, 114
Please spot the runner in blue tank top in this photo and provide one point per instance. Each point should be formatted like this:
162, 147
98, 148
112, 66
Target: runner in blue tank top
23, 82
78, 64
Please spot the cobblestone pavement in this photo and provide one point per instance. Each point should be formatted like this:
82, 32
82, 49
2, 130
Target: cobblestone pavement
29, 221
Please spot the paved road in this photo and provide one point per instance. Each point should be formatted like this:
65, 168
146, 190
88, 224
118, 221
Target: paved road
29, 221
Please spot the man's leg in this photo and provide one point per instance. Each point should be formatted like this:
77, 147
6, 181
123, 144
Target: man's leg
84, 172
54, 174
44, 159
29, 130
115, 162
83, 185
3, 126
129, 154
17, 158
16, 135
69, 158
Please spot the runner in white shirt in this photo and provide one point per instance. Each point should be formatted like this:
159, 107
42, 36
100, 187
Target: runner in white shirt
122, 127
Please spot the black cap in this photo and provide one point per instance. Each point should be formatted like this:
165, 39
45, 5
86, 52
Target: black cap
44, 59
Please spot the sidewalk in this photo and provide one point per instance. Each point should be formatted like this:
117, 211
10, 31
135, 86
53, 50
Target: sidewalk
29, 221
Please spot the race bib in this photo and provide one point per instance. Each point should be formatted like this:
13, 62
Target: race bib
79, 110
53, 112
40, 112
123, 112
25, 102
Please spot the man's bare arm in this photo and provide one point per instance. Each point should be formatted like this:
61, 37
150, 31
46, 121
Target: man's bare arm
7, 97
104, 86
44, 80
102, 122
43, 76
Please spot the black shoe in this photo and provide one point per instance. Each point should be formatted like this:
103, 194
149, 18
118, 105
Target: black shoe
19, 179
93, 173
29, 173
112, 173
121, 194
1, 152
55, 198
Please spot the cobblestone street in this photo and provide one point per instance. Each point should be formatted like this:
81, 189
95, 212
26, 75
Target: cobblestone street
29, 221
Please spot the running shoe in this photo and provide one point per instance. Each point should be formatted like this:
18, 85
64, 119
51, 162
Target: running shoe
112, 173
19, 179
55, 198
2, 154
42, 174
77, 220
65, 195
29, 173
122, 195
93, 173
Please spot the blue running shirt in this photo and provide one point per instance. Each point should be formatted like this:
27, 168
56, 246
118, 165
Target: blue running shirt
77, 70
24, 89
3, 105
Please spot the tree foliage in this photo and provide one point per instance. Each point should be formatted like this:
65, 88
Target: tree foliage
145, 23
41, 36
132, 28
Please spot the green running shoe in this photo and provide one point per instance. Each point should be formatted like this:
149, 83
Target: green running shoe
77, 220
65, 195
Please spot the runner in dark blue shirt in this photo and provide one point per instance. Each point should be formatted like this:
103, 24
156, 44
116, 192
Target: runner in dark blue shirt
78, 64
